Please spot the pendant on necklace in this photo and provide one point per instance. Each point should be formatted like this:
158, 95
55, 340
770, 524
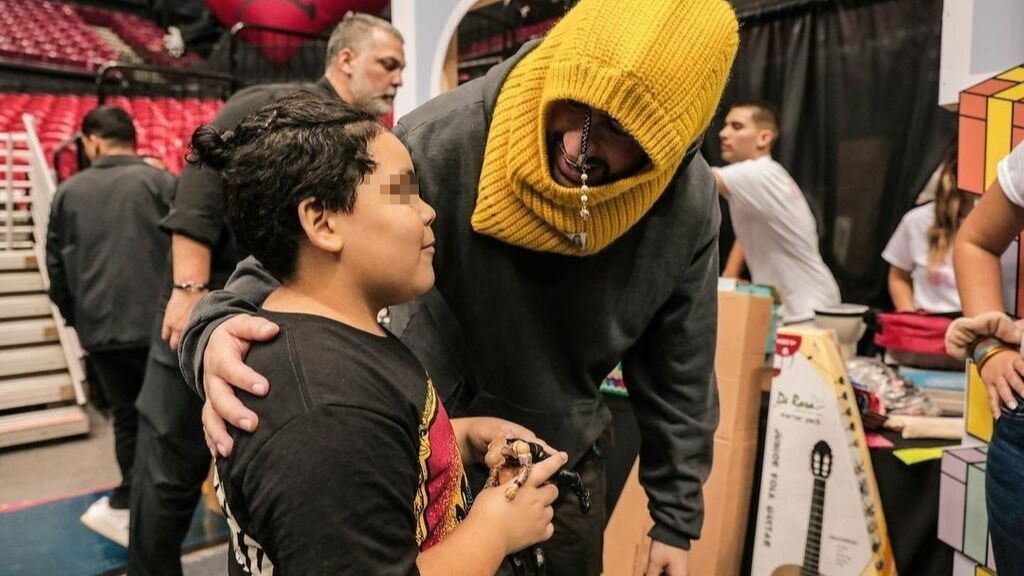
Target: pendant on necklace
584, 211
580, 238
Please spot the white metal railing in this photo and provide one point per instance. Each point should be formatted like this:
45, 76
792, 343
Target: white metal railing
41, 191
8, 243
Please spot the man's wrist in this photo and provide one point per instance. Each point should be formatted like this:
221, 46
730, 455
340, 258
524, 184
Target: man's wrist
192, 286
669, 536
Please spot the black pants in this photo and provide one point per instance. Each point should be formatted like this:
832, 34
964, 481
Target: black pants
577, 546
171, 463
119, 374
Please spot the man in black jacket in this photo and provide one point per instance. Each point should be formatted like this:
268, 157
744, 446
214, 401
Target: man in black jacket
365, 59
104, 254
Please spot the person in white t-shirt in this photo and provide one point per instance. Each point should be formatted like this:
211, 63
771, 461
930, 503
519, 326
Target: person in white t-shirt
920, 251
776, 233
992, 340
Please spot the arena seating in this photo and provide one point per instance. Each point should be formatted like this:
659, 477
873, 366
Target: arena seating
52, 33
59, 34
164, 125
145, 37
496, 44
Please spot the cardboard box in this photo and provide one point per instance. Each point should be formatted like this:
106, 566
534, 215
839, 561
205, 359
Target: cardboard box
626, 544
727, 495
743, 325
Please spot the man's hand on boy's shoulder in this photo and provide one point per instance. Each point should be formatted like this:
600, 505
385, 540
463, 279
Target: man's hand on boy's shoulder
223, 368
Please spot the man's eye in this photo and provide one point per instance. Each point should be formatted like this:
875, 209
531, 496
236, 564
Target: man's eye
617, 127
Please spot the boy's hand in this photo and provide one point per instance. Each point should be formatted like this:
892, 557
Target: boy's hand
224, 367
526, 519
475, 435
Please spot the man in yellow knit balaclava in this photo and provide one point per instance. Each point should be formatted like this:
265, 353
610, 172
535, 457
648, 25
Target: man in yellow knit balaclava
577, 227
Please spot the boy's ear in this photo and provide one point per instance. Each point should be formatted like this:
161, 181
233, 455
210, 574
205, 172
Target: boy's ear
322, 226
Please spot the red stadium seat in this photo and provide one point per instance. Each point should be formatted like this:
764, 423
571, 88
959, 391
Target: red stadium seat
164, 125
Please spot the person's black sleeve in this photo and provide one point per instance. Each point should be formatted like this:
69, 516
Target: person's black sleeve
670, 376
60, 292
333, 493
248, 287
167, 184
198, 210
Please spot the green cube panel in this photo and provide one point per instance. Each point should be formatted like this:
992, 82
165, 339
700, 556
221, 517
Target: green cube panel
976, 518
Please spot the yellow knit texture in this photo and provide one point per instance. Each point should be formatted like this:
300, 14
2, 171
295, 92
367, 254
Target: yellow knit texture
656, 66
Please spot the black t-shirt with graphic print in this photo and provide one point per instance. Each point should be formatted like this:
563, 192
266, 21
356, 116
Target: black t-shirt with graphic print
354, 468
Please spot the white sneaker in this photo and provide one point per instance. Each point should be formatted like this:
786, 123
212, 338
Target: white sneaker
108, 522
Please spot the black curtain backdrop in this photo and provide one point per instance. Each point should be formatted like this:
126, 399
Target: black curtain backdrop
856, 83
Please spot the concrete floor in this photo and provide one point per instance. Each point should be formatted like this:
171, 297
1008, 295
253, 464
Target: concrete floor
209, 562
58, 469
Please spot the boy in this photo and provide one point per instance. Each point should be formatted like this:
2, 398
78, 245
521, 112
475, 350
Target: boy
356, 468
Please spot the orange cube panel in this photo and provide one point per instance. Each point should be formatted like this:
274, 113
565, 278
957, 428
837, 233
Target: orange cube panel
991, 123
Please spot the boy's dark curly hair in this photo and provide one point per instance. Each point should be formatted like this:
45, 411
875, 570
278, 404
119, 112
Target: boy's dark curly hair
304, 145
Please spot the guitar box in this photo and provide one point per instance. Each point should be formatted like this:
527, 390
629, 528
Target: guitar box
744, 321
819, 512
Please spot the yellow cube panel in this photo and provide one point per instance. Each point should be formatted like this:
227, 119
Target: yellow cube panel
1013, 74
978, 415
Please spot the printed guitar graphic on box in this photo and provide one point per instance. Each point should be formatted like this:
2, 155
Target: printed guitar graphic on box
812, 411
821, 467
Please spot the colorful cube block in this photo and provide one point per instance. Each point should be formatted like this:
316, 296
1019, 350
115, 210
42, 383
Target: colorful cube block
977, 415
991, 124
963, 518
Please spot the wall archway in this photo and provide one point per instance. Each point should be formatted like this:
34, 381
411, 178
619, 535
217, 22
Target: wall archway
428, 28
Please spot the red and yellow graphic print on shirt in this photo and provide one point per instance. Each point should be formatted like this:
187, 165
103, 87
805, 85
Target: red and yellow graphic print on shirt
442, 497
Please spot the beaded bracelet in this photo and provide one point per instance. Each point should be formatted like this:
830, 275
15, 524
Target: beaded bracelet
981, 346
981, 342
191, 286
986, 354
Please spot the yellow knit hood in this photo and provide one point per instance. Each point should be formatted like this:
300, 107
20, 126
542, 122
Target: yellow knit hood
656, 66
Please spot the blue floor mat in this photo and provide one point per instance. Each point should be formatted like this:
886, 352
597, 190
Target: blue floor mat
49, 539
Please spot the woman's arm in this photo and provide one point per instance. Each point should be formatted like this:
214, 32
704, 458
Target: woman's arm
984, 235
982, 238
901, 289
